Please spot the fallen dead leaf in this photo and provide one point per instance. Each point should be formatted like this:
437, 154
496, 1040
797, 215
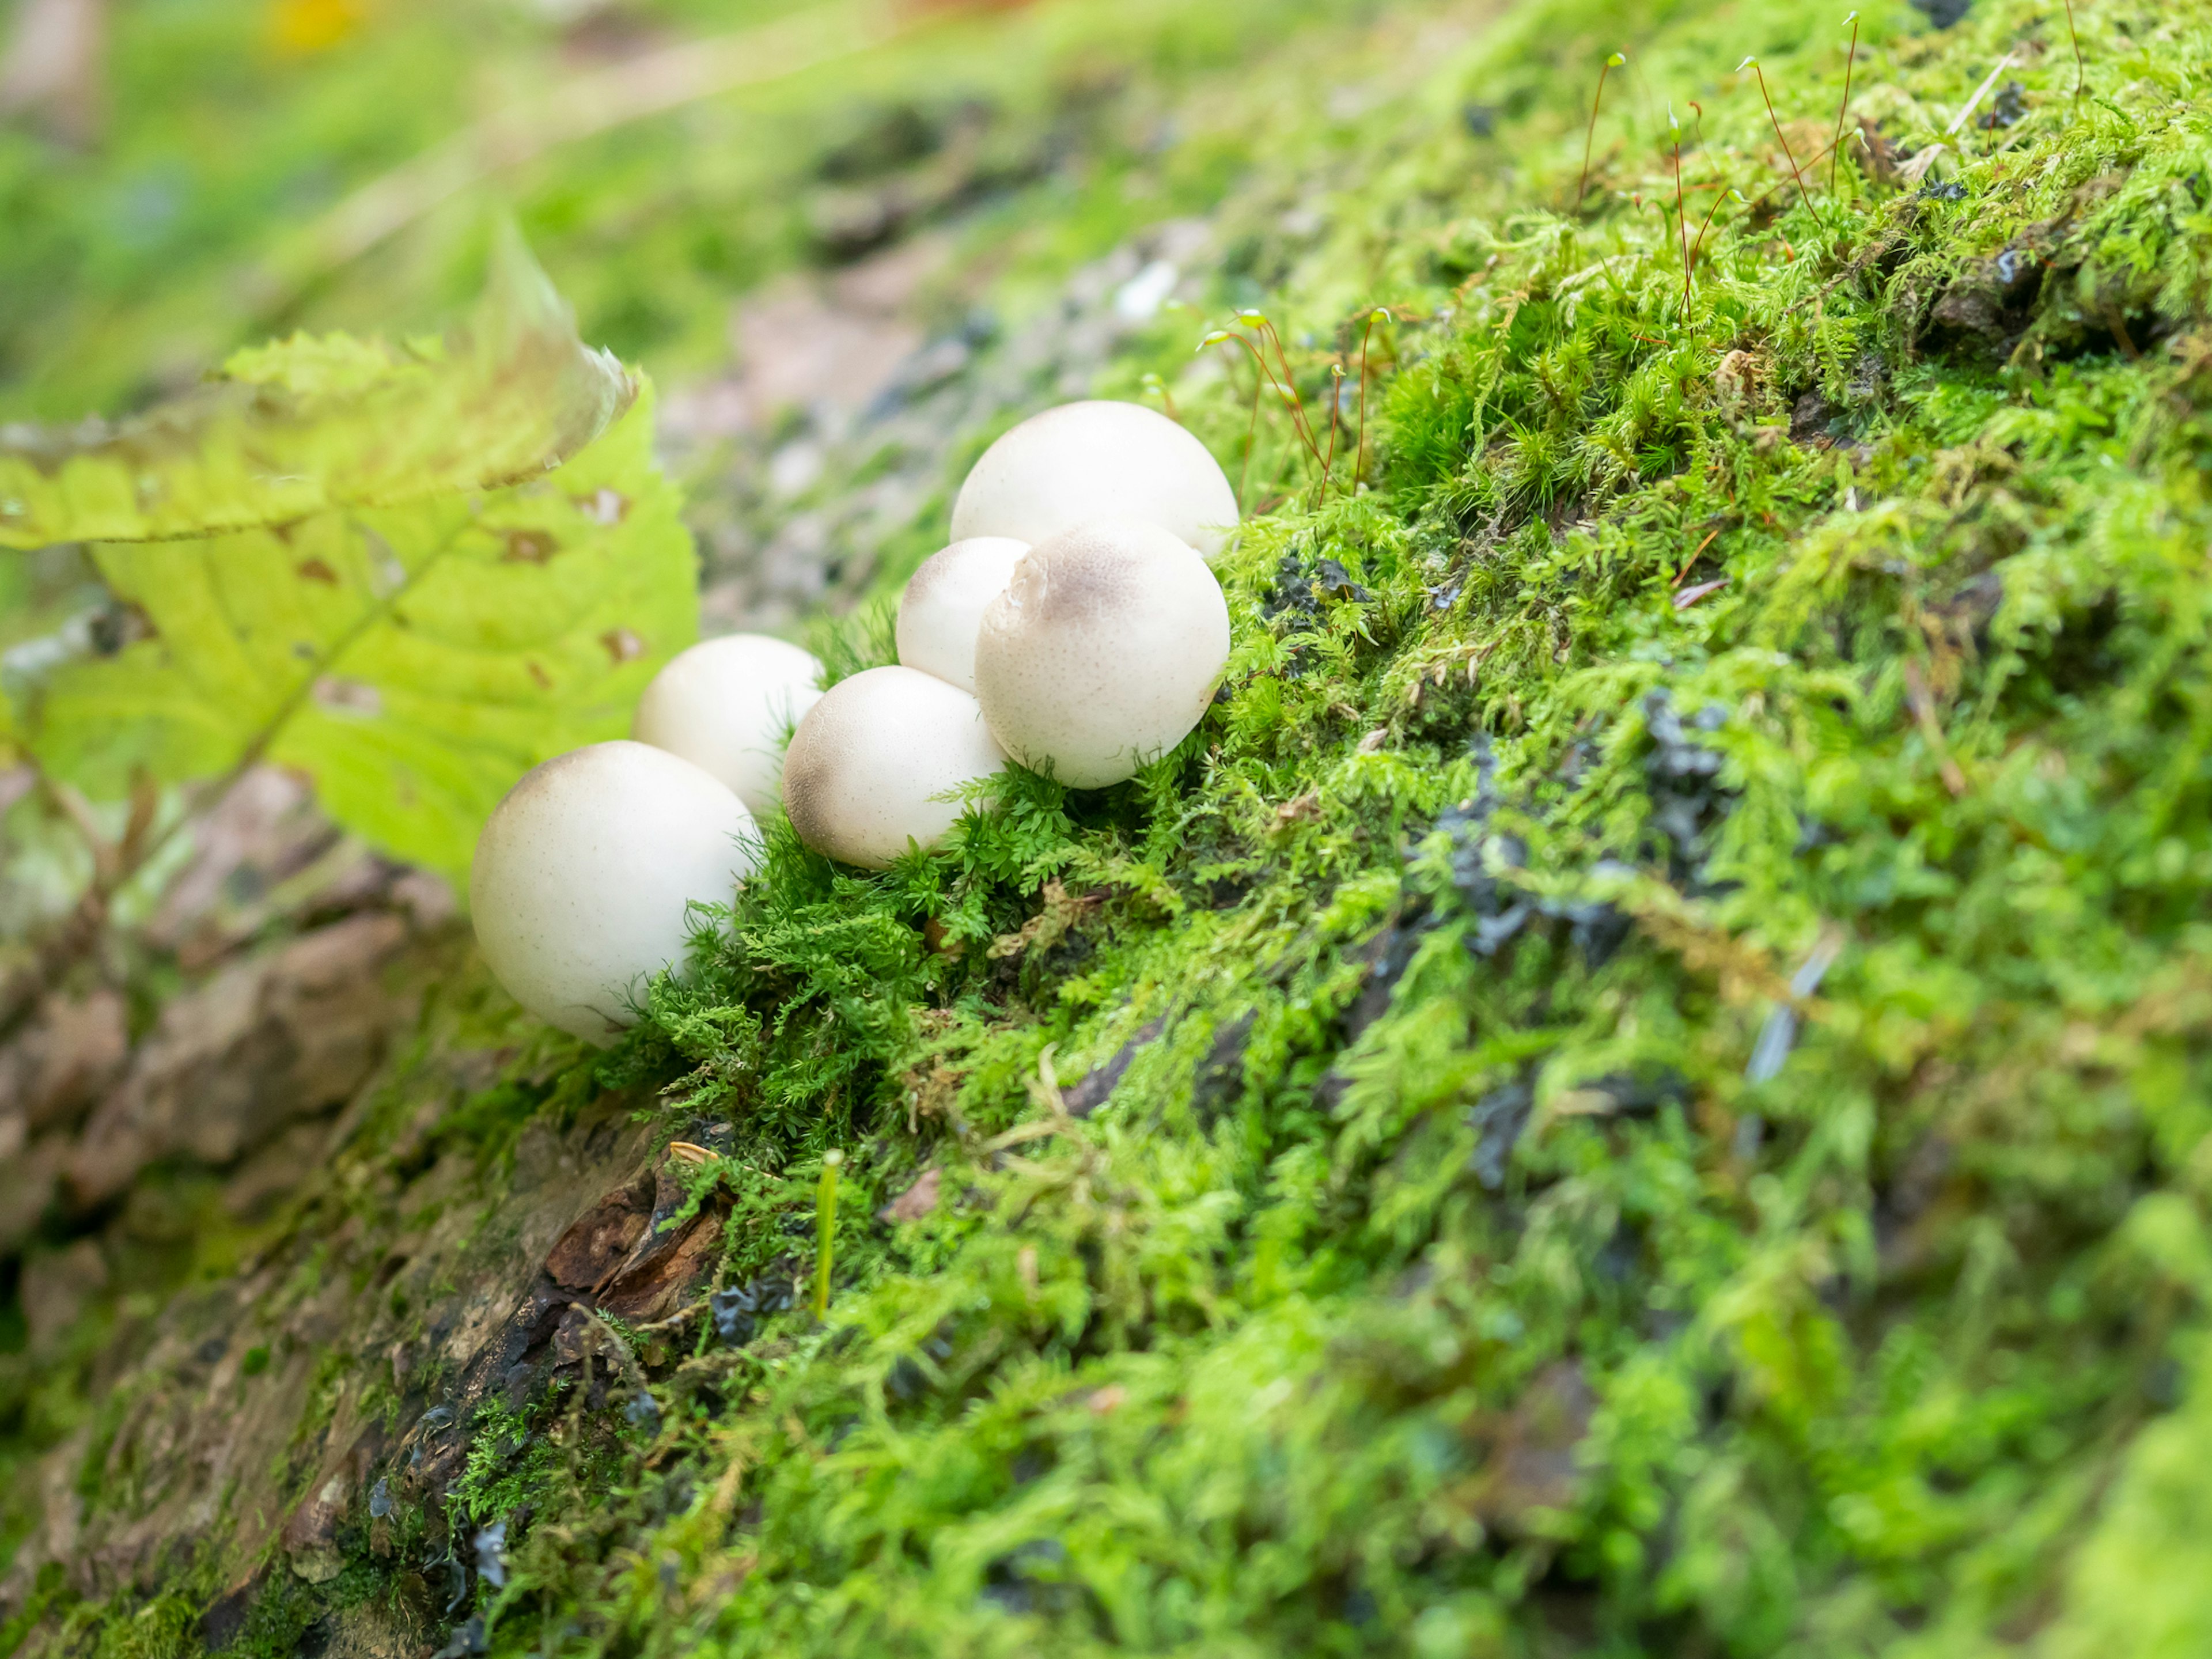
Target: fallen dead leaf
917, 1201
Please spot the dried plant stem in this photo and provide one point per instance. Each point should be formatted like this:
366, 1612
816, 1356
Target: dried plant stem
1843, 109
1335, 404
1283, 387
1682, 227
1760, 200
1789, 154
1290, 387
1266, 377
1359, 466
2081, 71
1980, 92
1697, 247
1696, 553
1589, 136
1282, 383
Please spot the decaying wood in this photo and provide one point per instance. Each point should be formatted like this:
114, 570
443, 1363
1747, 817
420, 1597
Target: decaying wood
355, 1355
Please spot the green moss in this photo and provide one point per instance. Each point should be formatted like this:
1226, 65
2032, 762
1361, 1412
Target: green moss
1550, 1302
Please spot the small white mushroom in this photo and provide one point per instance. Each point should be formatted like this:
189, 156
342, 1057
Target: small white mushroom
1103, 653
1086, 462
725, 704
945, 602
870, 764
584, 872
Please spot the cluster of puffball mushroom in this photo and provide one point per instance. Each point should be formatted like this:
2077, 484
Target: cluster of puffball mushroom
1072, 624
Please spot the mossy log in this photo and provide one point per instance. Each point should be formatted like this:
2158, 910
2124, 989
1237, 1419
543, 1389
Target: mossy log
1639, 1085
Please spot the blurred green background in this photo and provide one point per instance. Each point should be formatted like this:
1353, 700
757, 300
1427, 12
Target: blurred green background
192, 177
783, 210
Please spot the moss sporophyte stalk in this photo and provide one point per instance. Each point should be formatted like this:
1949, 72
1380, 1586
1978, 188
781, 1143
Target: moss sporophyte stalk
825, 1230
1635, 1084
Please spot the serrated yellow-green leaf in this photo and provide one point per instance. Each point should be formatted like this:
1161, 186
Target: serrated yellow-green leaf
314, 424
414, 659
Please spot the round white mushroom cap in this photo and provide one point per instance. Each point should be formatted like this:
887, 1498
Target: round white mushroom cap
1103, 653
583, 875
943, 605
725, 704
870, 764
1086, 462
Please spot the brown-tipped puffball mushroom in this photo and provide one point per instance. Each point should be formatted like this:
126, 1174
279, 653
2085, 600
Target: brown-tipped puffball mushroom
583, 874
1102, 654
868, 763
943, 605
1086, 462
725, 704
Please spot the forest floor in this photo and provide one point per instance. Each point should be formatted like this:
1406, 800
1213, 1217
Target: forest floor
1639, 1085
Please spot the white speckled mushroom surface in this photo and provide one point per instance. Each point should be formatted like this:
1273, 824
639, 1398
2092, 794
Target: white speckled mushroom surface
584, 874
725, 704
869, 764
1103, 653
1088, 462
942, 607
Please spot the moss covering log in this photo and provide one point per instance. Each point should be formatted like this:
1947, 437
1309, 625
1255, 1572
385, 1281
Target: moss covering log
1638, 1086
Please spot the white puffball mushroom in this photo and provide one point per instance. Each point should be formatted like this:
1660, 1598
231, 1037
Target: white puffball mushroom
724, 705
583, 874
1102, 654
869, 762
1086, 462
943, 605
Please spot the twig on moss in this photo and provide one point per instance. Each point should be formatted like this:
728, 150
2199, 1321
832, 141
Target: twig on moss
683, 1315
1695, 555
1581, 185
1980, 92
